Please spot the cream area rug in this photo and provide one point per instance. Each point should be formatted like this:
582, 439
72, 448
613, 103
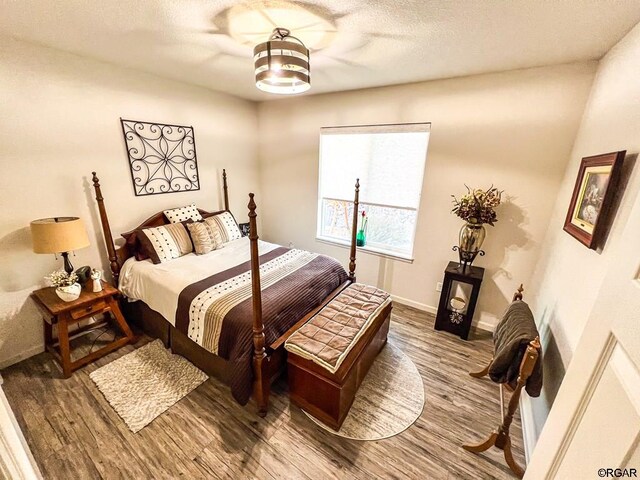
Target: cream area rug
389, 401
143, 384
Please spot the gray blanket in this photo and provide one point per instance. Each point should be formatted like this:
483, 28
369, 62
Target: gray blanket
510, 339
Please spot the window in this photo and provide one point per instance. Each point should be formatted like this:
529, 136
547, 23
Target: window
389, 160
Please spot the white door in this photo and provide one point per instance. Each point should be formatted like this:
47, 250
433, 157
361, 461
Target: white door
595, 421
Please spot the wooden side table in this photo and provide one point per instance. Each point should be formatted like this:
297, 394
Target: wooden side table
65, 314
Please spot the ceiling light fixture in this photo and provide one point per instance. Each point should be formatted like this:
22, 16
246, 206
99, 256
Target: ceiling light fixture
282, 64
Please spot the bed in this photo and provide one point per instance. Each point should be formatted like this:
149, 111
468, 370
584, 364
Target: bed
231, 310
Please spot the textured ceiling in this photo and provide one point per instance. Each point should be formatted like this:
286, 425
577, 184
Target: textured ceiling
355, 44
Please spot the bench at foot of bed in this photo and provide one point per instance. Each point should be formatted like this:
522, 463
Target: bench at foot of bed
329, 356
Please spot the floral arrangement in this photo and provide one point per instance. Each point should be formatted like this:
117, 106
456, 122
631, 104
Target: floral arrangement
60, 278
477, 205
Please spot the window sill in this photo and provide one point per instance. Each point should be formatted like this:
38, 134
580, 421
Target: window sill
367, 249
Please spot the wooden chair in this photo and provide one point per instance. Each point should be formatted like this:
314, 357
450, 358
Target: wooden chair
500, 437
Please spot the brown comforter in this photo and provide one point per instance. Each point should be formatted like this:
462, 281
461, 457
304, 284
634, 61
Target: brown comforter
216, 312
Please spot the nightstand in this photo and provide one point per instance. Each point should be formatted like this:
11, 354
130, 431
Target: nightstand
65, 314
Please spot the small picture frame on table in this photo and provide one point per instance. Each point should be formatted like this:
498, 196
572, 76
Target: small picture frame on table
591, 203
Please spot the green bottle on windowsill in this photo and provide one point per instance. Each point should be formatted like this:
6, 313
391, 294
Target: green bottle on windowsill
361, 236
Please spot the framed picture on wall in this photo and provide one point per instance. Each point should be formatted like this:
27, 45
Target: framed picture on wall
592, 197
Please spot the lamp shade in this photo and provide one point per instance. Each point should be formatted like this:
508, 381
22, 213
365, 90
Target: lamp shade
282, 64
58, 234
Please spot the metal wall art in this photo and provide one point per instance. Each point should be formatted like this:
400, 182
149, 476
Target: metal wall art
162, 157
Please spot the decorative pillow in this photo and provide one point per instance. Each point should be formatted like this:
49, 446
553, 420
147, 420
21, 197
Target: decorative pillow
134, 245
227, 226
206, 236
165, 243
177, 215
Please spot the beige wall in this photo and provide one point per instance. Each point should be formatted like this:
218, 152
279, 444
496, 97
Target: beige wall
568, 278
59, 121
514, 130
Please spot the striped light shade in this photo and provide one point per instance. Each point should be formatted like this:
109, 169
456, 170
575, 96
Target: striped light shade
282, 64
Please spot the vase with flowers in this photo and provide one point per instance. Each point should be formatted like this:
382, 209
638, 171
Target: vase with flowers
66, 284
361, 236
476, 208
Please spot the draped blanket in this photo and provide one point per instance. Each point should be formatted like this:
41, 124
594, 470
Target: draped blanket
510, 340
217, 312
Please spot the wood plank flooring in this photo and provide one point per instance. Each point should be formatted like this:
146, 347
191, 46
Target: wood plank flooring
74, 433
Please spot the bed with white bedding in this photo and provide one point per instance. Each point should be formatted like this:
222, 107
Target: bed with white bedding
208, 297
228, 311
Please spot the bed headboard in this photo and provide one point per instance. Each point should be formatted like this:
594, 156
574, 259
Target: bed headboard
117, 256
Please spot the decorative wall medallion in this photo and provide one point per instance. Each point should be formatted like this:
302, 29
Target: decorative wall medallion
162, 157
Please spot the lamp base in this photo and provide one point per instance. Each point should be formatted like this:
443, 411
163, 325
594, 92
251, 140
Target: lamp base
67, 264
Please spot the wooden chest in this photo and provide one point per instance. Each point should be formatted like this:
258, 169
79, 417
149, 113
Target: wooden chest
329, 396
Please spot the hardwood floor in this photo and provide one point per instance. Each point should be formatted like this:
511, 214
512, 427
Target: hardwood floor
74, 433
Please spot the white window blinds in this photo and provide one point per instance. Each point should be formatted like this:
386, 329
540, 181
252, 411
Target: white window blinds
389, 160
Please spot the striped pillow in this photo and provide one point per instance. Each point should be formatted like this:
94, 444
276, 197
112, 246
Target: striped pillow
165, 243
206, 236
177, 215
227, 226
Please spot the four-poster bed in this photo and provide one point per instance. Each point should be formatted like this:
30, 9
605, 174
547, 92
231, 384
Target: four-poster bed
266, 326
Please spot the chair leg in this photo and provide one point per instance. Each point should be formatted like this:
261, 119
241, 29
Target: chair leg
482, 372
486, 445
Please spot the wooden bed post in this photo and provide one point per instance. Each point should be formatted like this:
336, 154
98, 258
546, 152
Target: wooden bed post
106, 230
354, 231
260, 361
225, 190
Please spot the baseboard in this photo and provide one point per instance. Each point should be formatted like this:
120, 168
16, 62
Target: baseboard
487, 325
529, 436
412, 303
36, 349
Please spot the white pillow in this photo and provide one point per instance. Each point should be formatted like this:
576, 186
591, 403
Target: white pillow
165, 243
177, 215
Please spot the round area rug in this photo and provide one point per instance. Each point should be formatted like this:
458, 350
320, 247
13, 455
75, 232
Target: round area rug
389, 401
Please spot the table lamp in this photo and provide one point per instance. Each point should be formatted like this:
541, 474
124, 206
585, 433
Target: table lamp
59, 235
